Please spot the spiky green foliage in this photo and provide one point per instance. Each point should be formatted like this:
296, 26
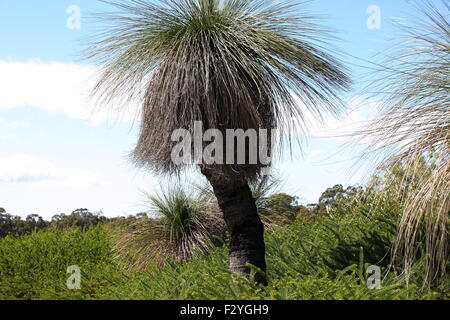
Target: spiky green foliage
180, 226
415, 118
34, 266
228, 63
264, 187
322, 258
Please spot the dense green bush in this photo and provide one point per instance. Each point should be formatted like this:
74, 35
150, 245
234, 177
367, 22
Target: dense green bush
34, 266
322, 258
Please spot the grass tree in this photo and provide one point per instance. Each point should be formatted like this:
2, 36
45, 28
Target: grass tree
181, 224
231, 64
414, 124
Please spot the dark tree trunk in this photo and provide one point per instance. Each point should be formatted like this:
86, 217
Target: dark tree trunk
244, 225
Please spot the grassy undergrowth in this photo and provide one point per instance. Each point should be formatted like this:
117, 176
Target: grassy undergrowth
323, 258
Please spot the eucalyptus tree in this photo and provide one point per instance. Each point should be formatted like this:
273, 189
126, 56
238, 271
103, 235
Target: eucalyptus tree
231, 64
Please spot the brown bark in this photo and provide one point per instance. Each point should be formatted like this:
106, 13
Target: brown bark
244, 225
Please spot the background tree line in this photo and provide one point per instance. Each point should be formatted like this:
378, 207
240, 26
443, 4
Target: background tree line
16, 225
276, 208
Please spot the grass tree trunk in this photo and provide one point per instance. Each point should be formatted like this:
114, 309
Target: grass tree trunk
244, 225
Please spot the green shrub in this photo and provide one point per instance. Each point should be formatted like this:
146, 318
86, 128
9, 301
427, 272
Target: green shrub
322, 258
35, 266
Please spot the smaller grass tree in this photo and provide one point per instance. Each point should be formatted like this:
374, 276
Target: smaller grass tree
178, 225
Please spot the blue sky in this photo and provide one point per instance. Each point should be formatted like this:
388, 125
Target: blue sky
56, 155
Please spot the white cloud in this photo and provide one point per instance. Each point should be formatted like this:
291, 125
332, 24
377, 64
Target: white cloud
54, 87
7, 137
14, 124
359, 113
313, 154
18, 124
28, 170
